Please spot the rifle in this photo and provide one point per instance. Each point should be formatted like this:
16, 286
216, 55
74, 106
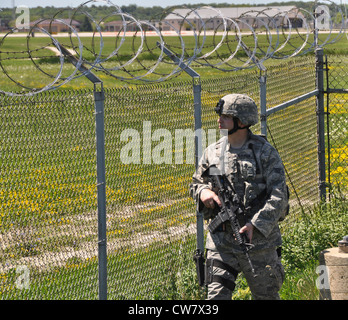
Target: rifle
231, 208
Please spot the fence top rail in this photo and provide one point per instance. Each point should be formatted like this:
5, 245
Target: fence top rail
332, 90
292, 102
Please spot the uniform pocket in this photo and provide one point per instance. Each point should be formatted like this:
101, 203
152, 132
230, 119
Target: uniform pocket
277, 274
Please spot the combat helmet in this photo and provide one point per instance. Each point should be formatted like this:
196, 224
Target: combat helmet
239, 106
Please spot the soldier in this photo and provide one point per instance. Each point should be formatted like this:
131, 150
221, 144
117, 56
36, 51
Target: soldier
256, 172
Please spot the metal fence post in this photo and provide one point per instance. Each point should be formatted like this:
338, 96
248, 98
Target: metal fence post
197, 89
99, 98
319, 67
263, 102
263, 89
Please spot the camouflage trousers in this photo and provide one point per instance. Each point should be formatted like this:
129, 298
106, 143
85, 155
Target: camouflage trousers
268, 269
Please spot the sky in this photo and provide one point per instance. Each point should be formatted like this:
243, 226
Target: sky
143, 3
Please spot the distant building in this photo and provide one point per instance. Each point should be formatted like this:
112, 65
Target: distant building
116, 26
56, 26
253, 16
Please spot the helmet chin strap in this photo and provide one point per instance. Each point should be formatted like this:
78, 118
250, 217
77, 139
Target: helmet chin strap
236, 127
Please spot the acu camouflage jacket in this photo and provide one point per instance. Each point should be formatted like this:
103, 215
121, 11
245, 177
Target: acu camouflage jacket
257, 174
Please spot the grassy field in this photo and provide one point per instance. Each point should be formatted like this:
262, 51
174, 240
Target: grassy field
48, 191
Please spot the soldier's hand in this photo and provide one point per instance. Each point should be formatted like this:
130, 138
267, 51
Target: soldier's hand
249, 229
209, 198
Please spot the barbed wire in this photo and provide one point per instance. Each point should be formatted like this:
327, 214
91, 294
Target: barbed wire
199, 37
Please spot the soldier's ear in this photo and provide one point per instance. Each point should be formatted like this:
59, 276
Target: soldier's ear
241, 124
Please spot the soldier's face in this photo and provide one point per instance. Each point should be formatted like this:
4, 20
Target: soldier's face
226, 122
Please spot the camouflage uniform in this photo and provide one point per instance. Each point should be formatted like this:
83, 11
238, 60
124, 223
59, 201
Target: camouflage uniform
257, 174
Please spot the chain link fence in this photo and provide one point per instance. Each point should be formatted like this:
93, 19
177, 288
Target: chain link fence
48, 197
337, 122
48, 217
151, 222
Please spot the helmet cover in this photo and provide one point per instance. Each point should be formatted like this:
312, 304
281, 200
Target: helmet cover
239, 106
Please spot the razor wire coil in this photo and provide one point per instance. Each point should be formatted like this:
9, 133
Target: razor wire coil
235, 42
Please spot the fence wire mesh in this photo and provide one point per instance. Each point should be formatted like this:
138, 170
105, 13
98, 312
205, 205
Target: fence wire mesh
337, 122
293, 130
48, 196
48, 192
151, 221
